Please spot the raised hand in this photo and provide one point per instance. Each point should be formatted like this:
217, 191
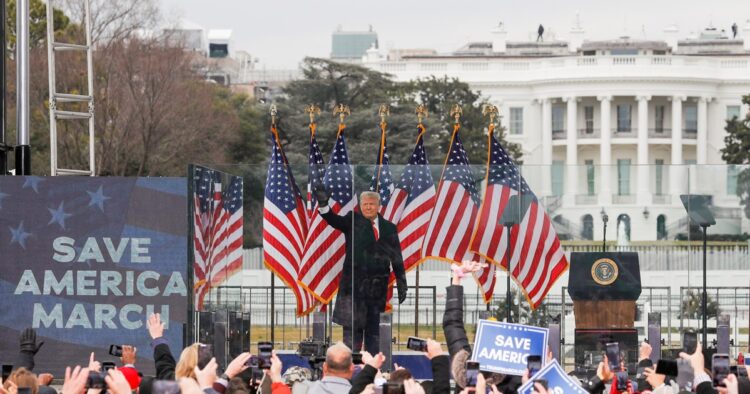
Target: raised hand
155, 326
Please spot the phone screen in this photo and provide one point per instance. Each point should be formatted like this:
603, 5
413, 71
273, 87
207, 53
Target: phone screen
667, 367
417, 344
689, 342
115, 350
264, 354
7, 369
534, 364
24, 390
622, 381
205, 353
472, 371
720, 368
742, 371
613, 356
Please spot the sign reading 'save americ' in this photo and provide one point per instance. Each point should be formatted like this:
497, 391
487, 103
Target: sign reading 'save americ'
505, 347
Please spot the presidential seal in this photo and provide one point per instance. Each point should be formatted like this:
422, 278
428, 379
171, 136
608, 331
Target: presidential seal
604, 271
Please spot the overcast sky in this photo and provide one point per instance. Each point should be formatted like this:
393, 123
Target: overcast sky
281, 32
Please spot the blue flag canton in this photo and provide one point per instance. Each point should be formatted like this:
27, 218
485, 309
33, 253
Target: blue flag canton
503, 171
457, 169
382, 179
278, 188
316, 166
417, 177
338, 176
205, 181
233, 195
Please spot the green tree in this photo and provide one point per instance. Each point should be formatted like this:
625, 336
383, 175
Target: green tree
736, 151
539, 317
38, 23
691, 306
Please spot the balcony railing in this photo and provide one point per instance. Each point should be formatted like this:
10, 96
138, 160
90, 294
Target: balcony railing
588, 133
586, 199
659, 132
690, 133
623, 133
623, 198
661, 199
559, 134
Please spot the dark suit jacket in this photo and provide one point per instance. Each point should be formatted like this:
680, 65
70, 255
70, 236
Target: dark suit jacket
368, 263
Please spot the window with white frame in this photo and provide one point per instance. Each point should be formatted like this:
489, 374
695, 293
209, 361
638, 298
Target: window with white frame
516, 120
558, 119
733, 111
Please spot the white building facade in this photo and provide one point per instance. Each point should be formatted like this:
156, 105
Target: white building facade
622, 126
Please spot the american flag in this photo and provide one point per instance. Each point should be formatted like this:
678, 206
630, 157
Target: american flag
382, 179
452, 221
284, 226
315, 170
411, 205
217, 230
536, 256
486, 278
325, 249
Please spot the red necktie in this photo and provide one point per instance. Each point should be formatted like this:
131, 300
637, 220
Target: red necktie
375, 230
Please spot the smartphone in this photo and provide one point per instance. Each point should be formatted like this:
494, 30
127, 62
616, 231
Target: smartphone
205, 354
689, 341
7, 369
393, 388
622, 381
416, 344
720, 368
165, 387
252, 362
472, 371
95, 381
613, 356
264, 354
534, 364
115, 350
107, 365
685, 375
24, 390
742, 371
356, 358
543, 382
667, 367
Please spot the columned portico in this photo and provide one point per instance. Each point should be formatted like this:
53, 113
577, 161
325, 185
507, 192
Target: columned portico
546, 146
605, 158
677, 180
571, 161
643, 195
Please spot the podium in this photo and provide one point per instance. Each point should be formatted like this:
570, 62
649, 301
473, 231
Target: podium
604, 287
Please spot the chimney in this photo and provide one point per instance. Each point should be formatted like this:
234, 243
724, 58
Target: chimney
576, 36
746, 35
671, 34
499, 38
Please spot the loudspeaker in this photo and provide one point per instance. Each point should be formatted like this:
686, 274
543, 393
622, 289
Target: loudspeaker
722, 334
319, 326
554, 341
386, 345
654, 336
235, 334
590, 345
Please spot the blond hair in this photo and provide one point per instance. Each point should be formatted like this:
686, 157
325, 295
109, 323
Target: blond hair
23, 378
188, 361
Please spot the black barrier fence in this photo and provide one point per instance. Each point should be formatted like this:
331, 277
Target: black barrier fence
249, 310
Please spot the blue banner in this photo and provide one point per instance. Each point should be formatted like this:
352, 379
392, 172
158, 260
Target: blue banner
86, 260
504, 347
558, 382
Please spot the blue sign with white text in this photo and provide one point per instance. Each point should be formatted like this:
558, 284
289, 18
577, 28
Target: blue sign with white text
558, 382
86, 260
504, 347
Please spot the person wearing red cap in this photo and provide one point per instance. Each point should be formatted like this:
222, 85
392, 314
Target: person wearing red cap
128, 366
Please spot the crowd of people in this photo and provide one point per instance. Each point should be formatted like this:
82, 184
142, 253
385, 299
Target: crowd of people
189, 375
